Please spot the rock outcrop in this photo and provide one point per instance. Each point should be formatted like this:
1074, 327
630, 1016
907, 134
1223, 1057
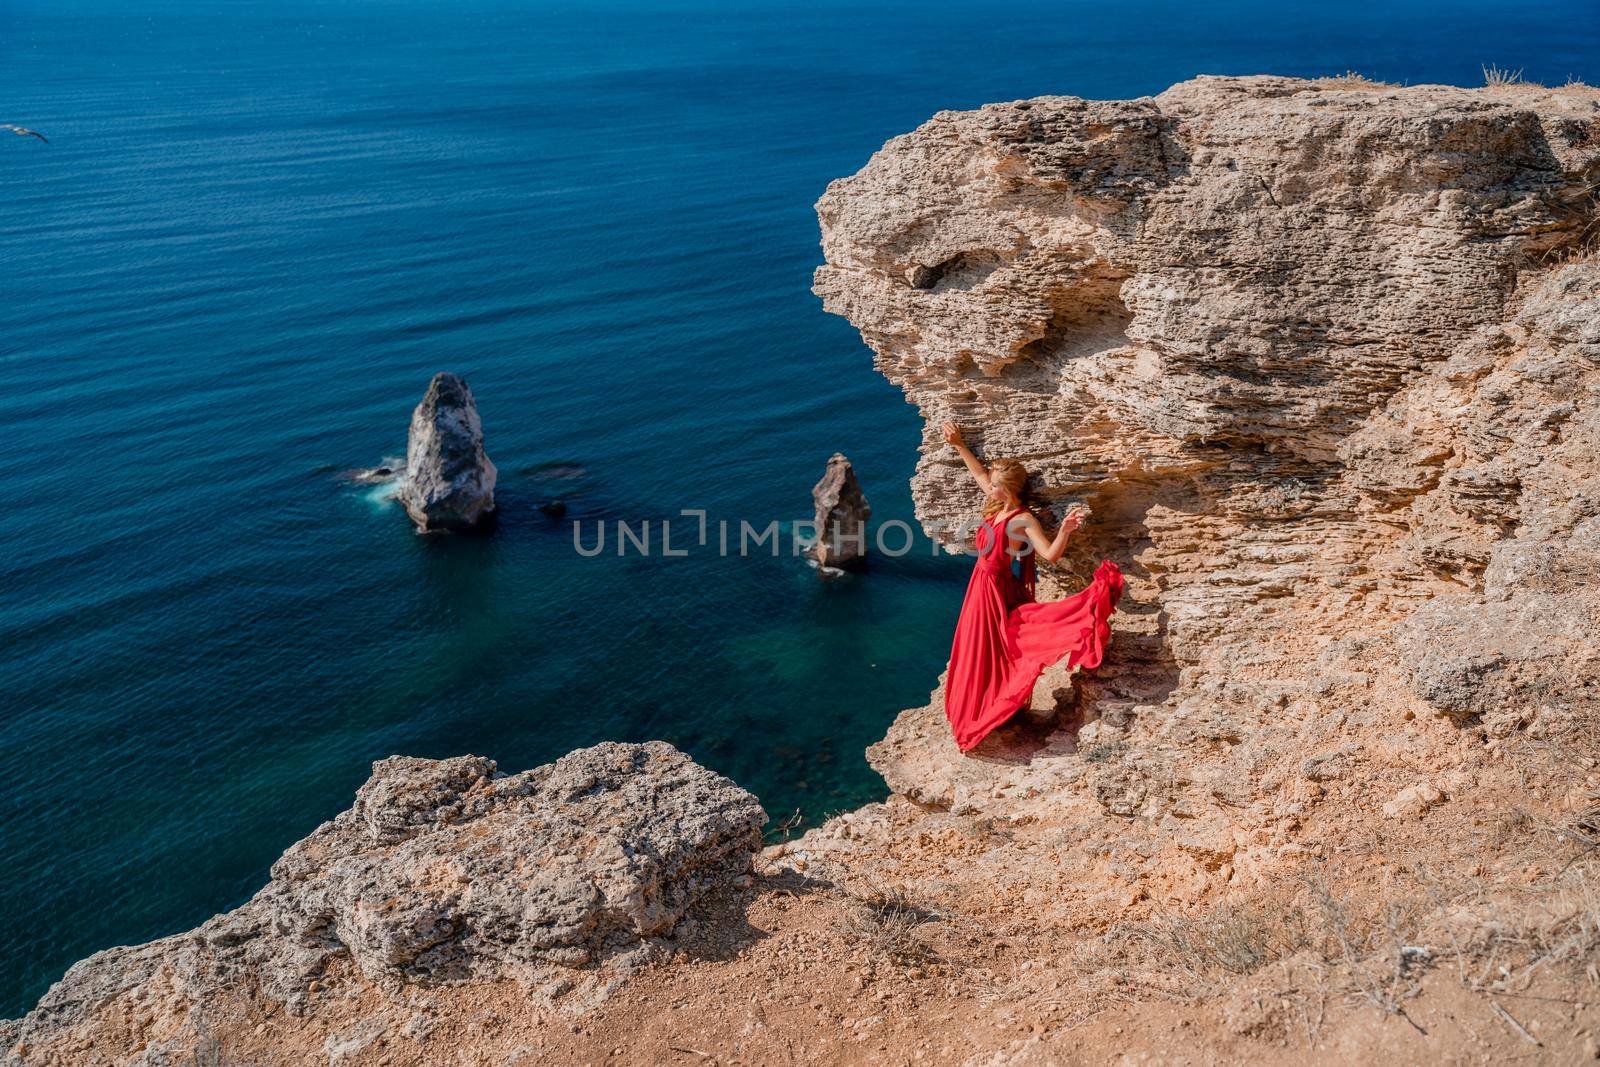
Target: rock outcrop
449, 480
443, 871
1319, 357
841, 517
1322, 361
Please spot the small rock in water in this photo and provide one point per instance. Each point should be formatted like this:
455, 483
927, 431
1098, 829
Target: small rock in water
449, 479
370, 475
554, 508
841, 518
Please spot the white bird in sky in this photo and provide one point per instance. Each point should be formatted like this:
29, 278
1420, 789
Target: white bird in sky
23, 131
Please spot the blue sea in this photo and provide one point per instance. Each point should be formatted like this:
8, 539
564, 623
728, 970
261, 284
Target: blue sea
259, 228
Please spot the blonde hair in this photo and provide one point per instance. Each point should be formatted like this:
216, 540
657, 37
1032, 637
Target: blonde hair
1011, 476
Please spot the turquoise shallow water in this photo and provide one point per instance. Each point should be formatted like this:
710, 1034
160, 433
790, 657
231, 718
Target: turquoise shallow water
260, 228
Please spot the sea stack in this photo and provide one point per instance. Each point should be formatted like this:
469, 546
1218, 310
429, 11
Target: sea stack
449, 480
841, 519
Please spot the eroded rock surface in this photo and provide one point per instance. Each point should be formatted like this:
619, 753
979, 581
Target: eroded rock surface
442, 871
1322, 359
1319, 357
449, 480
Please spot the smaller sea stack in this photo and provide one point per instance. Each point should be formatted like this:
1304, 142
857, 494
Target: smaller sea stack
841, 519
449, 479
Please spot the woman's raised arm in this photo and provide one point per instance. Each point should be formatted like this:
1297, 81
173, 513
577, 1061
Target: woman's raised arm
952, 436
1047, 549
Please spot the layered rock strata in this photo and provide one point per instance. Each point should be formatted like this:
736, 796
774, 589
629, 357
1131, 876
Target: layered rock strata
1318, 357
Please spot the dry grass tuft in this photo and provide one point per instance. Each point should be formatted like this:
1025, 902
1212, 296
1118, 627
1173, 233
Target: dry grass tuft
1378, 952
1585, 248
1352, 79
1496, 78
887, 921
1108, 751
1228, 941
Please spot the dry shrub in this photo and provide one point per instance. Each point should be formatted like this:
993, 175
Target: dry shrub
887, 920
1375, 947
1585, 248
1501, 939
1537, 910
1495, 77
1354, 79
1227, 941
1377, 951
1108, 751
1568, 930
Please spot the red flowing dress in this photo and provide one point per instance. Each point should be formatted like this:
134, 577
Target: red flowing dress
1004, 638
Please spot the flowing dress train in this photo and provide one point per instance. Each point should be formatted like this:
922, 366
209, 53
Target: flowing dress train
1004, 638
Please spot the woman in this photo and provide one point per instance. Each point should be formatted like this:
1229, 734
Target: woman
1004, 638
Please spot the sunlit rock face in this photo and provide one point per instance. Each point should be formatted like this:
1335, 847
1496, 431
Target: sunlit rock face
449, 480
1316, 355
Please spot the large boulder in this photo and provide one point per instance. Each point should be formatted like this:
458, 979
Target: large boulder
441, 871
449, 479
444, 869
841, 517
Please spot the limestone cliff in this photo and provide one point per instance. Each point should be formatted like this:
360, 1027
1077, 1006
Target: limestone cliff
1323, 361
1315, 355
